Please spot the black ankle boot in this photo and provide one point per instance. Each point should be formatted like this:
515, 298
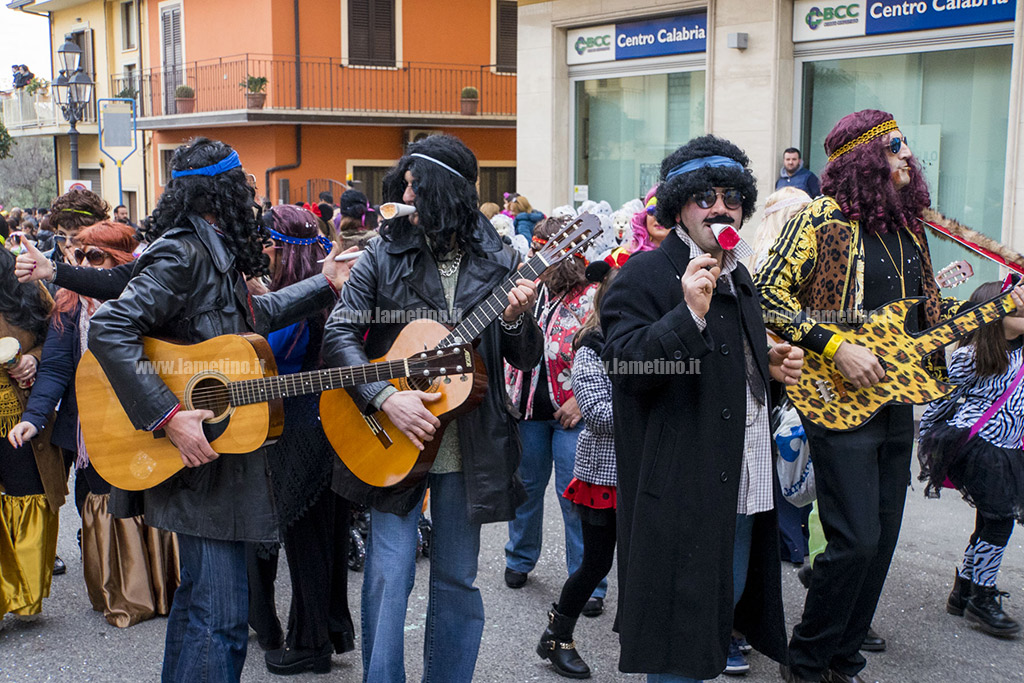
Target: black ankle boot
286, 661
557, 645
957, 601
985, 608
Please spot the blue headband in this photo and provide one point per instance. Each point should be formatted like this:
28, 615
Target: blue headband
226, 164
297, 241
704, 162
439, 163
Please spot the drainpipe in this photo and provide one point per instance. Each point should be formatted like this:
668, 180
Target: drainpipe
298, 105
287, 167
298, 65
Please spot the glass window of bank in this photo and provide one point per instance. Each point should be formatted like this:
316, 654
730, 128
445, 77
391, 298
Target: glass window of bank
625, 126
638, 94
953, 106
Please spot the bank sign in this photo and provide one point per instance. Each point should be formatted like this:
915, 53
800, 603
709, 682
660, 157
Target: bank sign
633, 40
814, 20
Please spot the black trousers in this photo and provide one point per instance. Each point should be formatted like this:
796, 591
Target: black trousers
598, 555
317, 549
862, 478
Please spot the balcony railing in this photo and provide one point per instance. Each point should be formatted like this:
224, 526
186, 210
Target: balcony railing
319, 84
24, 112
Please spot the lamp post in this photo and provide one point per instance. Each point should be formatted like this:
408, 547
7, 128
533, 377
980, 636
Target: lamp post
73, 90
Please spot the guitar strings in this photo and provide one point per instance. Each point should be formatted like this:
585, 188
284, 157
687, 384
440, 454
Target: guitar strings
206, 395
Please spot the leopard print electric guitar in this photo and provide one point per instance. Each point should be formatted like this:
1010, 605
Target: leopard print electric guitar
829, 400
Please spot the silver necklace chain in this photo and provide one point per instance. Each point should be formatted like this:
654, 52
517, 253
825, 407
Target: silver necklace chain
452, 268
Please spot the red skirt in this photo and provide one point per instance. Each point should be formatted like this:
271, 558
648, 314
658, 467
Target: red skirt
596, 496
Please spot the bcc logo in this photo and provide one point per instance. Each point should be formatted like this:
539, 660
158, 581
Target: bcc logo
816, 16
583, 44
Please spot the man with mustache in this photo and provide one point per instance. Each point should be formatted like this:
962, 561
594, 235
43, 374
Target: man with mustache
696, 520
852, 251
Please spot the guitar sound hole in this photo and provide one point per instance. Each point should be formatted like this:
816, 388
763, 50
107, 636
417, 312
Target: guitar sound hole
421, 383
211, 394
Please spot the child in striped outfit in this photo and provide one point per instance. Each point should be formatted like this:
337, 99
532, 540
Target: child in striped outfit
975, 445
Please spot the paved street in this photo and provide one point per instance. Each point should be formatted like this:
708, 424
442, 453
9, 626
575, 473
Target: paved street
73, 643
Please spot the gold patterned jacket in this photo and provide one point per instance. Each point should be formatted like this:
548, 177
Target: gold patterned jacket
815, 270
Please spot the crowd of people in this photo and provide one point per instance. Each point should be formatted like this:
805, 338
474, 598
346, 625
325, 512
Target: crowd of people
672, 472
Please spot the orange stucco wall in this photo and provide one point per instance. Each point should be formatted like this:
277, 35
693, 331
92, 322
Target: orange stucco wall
449, 32
326, 150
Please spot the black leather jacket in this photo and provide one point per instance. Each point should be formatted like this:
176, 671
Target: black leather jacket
403, 276
185, 287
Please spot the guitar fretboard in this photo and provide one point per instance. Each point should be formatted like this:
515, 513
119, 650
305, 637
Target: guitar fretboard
250, 391
491, 307
963, 323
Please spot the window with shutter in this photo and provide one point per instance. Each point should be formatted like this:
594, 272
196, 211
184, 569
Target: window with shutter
171, 54
371, 32
507, 26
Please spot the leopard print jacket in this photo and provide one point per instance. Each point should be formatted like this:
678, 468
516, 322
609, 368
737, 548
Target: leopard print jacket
817, 265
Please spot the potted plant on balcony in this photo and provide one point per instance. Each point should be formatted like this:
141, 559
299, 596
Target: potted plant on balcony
37, 85
255, 88
184, 99
470, 100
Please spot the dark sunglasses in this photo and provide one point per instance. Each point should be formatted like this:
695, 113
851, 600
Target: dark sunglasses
96, 257
895, 144
733, 199
60, 239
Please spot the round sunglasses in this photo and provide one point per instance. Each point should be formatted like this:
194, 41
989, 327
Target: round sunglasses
733, 199
95, 257
895, 144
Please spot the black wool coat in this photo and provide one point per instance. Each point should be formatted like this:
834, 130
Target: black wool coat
679, 440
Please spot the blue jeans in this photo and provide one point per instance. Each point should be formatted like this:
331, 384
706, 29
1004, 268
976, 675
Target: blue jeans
207, 629
741, 555
455, 610
545, 443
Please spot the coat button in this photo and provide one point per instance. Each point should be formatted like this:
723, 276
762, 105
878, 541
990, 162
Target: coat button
726, 413
724, 348
724, 477
677, 355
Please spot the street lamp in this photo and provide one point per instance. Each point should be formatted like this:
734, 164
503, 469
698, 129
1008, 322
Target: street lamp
73, 93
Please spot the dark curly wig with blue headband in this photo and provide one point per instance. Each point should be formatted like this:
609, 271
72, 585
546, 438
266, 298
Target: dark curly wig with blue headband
679, 186
444, 175
225, 194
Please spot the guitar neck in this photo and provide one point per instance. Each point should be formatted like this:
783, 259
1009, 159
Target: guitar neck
489, 309
963, 323
251, 391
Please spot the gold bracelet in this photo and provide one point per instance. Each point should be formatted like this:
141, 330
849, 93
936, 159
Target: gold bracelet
832, 346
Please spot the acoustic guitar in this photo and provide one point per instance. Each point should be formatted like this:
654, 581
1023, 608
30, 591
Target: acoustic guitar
829, 400
235, 377
370, 445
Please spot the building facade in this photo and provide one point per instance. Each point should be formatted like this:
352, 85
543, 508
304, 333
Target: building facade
346, 85
611, 86
311, 92
109, 35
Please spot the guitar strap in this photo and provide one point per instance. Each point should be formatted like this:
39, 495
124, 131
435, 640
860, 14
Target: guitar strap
1000, 402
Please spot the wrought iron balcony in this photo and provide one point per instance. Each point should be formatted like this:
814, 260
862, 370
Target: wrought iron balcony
314, 86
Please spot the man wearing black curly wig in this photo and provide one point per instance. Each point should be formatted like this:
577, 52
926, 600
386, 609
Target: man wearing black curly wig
189, 285
690, 375
443, 260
